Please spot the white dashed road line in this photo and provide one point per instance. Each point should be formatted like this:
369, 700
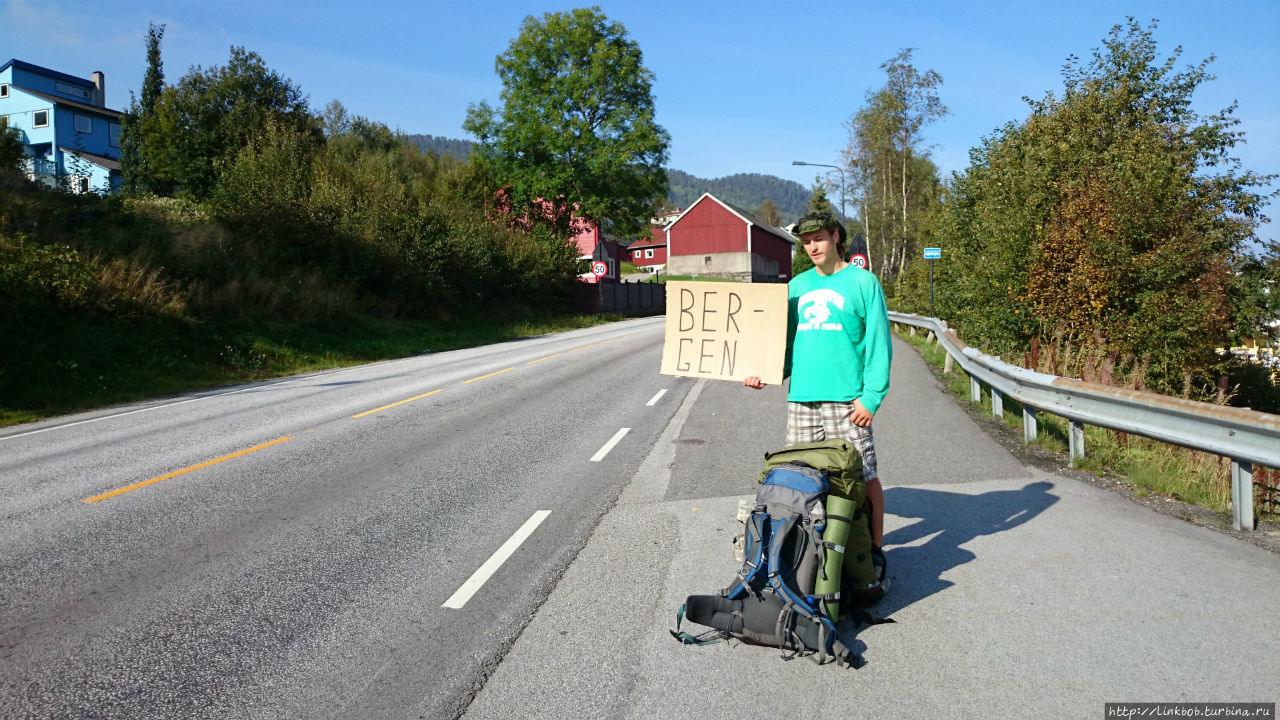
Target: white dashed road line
609, 445
486, 571
654, 400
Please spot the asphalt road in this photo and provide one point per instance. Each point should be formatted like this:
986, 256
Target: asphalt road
286, 549
308, 578
1016, 592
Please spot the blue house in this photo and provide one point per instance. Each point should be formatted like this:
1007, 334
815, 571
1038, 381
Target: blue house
66, 129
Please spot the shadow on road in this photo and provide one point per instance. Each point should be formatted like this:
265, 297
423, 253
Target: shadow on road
952, 519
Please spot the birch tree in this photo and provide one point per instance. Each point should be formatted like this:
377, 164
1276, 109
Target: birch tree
894, 180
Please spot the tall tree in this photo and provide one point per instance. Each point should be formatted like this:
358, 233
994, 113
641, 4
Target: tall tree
1108, 223
135, 173
199, 125
896, 184
769, 213
818, 201
12, 155
576, 134
335, 120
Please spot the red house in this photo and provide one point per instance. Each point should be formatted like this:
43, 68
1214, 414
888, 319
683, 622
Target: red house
586, 237
592, 245
650, 254
715, 239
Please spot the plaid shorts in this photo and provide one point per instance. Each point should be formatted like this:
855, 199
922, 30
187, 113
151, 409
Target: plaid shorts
814, 421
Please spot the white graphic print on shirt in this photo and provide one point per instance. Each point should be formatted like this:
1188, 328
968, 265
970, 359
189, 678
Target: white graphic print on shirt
814, 308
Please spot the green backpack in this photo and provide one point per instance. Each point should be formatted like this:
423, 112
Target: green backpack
862, 571
807, 559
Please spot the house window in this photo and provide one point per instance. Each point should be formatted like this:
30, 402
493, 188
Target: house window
4, 90
706, 259
84, 124
648, 253
114, 138
40, 118
72, 90
636, 254
79, 184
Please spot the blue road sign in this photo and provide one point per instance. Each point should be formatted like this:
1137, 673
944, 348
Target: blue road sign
933, 253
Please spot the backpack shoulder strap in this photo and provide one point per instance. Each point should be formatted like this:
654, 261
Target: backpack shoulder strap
757, 537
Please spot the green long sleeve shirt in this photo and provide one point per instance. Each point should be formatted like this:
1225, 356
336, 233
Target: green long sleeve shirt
839, 346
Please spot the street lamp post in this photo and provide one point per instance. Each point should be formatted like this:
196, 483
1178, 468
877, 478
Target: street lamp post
840, 170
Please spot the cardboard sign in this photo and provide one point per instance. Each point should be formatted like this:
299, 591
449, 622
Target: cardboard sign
725, 331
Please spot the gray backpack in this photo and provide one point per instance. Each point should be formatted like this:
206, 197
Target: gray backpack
787, 592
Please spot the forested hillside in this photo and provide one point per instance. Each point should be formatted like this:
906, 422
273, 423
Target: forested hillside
745, 190
442, 146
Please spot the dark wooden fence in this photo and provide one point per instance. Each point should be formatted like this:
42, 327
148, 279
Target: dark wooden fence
621, 298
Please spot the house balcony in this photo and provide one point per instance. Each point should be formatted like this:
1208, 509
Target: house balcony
41, 170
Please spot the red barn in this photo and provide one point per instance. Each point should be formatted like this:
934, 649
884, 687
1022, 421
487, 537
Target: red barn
650, 254
715, 239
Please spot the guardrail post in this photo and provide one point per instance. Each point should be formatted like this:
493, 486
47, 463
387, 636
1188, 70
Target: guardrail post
949, 365
975, 390
997, 403
930, 338
1241, 494
913, 330
1029, 429
1075, 441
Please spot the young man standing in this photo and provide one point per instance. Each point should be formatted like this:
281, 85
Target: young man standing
838, 352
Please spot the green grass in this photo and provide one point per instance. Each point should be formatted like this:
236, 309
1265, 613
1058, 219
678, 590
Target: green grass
1151, 466
69, 364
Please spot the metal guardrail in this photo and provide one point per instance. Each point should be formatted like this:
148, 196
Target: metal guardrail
1247, 437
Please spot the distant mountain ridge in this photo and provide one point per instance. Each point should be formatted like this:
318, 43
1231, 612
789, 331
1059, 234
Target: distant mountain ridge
744, 190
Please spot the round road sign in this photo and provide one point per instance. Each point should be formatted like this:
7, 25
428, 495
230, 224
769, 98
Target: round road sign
599, 268
858, 259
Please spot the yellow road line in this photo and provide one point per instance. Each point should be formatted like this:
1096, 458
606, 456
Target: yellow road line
176, 473
482, 377
385, 407
533, 362
584, 347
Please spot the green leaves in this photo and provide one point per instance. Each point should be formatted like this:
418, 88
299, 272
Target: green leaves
199, 126
576, 134
1099, 223
898, 186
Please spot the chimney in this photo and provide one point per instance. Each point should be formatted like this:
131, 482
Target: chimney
99, 88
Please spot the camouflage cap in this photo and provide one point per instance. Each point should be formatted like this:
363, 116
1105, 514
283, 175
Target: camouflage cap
816, 221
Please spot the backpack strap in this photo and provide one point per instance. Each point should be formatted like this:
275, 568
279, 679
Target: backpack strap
756, 533
795, 603
707, 638
778, 570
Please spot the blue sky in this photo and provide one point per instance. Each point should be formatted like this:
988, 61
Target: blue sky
741, 86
